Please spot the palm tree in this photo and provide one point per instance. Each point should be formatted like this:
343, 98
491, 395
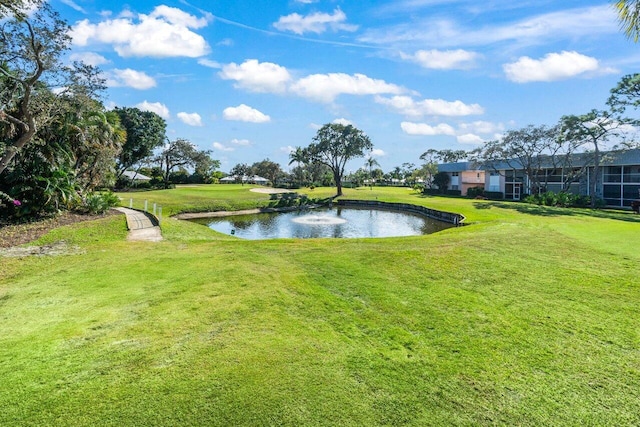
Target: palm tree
96, 137
370, 163
299, 157
629, 16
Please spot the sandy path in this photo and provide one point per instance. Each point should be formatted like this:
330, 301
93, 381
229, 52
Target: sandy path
271, 190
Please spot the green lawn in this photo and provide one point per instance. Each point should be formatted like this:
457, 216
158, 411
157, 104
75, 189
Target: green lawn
527, 316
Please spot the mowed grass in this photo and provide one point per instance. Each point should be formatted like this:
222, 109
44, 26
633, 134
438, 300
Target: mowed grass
528, 316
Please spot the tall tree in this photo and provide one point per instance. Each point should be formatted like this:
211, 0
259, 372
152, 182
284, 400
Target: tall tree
267, 169
179, 153
441, 180
451, 156
145, 132
298, 157
205, 169
430, 166
30, 56
94, 138
334, 145
370, 163
528, 149
16, 8
240, 172
591, 131
407, 171
626, 96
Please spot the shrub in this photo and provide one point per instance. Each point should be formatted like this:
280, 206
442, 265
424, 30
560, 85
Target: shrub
494, 195
562, 199
475, 192
453, 193
430, 191
99, 203
582, 201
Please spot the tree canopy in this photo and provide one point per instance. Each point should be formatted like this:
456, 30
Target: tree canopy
179, 153
56, 146
30, 56
145, 132
334, 145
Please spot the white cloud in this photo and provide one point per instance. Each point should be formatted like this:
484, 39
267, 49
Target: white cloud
126, 13
191, 119
554, 66
326, 87
163, 33
255, 76
267, 77
244, 113
470, 138
209, 63
314, 23
482, 127
155, 107
73, 5
443, 60
241, 142
377, 152
567, 24
129, 78
89, 58
288, 149
411, 128
177, 17
221, 147
343, 121
429, 107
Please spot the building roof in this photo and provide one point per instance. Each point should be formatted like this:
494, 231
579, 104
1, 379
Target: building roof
136, 176
608, 158
245, 178
458, 167
621, 158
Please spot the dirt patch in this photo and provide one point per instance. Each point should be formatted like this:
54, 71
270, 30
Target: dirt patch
58, 248
18, 234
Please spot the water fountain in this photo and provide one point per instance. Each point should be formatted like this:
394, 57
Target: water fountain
318, 220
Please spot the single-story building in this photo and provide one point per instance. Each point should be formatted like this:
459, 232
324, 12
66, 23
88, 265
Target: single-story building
135, 176
255, 179
617, 183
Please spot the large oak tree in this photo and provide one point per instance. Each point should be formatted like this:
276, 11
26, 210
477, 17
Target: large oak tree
334, 145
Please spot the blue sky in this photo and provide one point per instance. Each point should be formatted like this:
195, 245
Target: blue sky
252, 79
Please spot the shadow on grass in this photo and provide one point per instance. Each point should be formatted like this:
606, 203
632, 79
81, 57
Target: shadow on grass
556, 211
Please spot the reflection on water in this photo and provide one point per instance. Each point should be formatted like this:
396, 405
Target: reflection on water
336, 222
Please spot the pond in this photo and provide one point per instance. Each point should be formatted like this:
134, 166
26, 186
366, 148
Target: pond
337, 222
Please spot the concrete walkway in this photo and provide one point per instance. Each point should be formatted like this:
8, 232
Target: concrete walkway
141, 226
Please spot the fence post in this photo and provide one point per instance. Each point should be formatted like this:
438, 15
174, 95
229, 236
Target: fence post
145, 206
159, 215
154, 209
131, 203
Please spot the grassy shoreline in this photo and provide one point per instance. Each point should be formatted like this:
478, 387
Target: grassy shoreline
527, 316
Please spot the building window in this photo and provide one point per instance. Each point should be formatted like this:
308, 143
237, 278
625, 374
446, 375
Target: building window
494, 182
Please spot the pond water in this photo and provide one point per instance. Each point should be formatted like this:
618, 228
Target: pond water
337, 222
